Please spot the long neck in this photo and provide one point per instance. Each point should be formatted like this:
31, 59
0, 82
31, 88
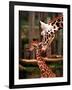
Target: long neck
38, 56
44, 69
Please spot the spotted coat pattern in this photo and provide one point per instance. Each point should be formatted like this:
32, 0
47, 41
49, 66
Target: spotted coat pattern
44, 69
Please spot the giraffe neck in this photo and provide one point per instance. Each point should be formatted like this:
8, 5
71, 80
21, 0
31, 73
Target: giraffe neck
44, 69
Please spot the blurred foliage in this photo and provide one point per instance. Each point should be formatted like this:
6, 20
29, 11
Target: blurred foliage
25, 40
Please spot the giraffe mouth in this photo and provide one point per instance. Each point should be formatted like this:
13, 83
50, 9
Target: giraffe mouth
33, 44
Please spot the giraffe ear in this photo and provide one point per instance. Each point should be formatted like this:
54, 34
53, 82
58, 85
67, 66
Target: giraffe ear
40, 22
43, 25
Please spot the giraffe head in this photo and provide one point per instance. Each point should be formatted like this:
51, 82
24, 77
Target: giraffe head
49, 30
52, 27
35, 44
47, 33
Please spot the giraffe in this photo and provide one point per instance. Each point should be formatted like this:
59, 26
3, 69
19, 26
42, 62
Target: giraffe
48, 33
44, 69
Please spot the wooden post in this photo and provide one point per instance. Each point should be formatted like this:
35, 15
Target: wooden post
31, 25
31, 28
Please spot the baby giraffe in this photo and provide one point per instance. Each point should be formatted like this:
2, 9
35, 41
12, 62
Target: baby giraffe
44, 69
